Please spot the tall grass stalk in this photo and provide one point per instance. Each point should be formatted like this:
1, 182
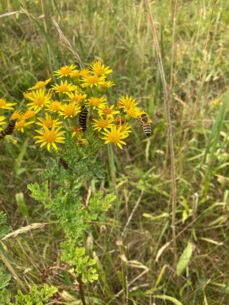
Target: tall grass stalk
213, 140
156, 46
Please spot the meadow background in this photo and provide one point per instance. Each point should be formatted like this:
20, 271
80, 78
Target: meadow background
136, 262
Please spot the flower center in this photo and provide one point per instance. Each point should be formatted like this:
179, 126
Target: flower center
102, 123
69, 110
114, 137
63, 88
16, 115
99, 70
48, 123
65, 70
107, 110
21, 123
92, 79
77, 98
50, 136
55, 106
29, 114
95, 101
128, 104
39, 101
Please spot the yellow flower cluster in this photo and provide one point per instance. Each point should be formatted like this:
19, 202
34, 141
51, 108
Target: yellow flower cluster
75, 103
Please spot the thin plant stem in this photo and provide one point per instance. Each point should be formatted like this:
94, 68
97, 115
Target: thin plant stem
81, 291
112, 167
169, 124
173, 48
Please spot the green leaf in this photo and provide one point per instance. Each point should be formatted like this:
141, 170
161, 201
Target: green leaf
20, 199
37, 295
184, 258
5, 297
18, 161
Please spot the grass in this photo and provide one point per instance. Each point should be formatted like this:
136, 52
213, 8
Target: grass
136, 267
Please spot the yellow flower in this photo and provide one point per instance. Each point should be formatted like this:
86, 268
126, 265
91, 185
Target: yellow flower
29, 114
65, 71
40, 84
39, 99
84, 72
105, 109
69, 110
134, 112
64, 87
48, 122
5, 105
122, 124
106, 84
115, 135
126, 102
92, 80
99, 69
2, 120
125, 129
28, 95
49, 138
54, 106
17, 114
102, 124
21, 124
77, 97
75, 74
95, 102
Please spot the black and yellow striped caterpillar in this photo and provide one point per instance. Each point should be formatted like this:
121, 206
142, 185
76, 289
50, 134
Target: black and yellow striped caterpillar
8, 130
83, 118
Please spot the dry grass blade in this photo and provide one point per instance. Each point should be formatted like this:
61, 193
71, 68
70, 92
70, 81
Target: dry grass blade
128, 285
22, 230
7, 262
132, 213
66, 43
10, 14
161, 250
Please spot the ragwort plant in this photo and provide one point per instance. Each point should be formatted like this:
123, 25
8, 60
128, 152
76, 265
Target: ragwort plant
72, 119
